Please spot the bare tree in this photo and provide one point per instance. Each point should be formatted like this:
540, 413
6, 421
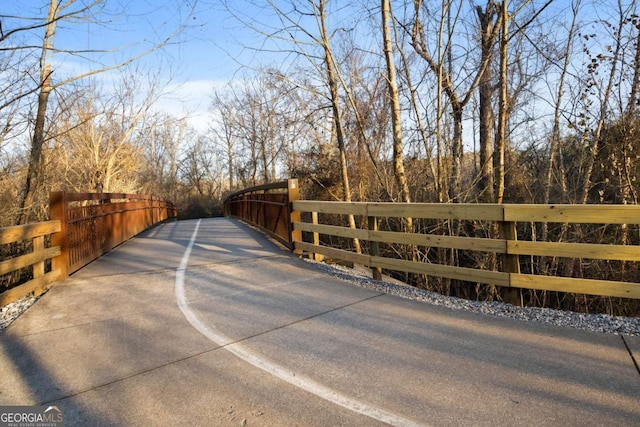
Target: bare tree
394, 100
332, 81
161, 139
488, 34
605, 97
458, 100
223, 127
421, 123
43, 99
199, 168
102, 138
76, 11
314, 45
555, 154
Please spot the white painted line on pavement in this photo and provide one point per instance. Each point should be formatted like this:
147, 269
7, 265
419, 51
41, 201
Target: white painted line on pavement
301, 381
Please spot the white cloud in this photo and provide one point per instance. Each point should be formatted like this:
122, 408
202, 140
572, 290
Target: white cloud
191, 100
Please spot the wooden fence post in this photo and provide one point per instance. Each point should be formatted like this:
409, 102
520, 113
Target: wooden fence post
293, 194
372, 223
58, 210
38, 246
316, 239
511, 262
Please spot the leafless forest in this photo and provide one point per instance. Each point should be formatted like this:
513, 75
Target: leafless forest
447, 101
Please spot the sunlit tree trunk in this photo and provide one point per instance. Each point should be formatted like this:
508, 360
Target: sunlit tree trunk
337, 114
38, 139
501, 135
485, 92
394, 99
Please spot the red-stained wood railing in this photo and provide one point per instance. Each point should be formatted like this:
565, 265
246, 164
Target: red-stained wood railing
94, 223
83, 227
268, 207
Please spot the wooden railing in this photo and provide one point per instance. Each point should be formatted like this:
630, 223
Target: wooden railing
82, 228
94, 223
35, 260
267, 207
506, 217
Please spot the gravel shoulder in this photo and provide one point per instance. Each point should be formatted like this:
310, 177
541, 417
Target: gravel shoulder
591, 322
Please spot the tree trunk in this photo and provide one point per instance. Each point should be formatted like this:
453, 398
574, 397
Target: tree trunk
456, 154
633, 96
485, 89
337, 116
394, 99
37, 142
396, 120
555, 150
230, 164
265, 162
504, 107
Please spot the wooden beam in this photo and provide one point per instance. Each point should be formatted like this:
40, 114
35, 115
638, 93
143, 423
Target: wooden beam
334, 253
342, 208
575, 250
35, 286
440, 241
27, 260
480, 212
459, 273
586, 214
332, 230
578, 286
29, 231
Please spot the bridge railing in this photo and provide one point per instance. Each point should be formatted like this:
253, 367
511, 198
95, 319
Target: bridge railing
35, 236
505, 216
83, 227
268, 207
94, 223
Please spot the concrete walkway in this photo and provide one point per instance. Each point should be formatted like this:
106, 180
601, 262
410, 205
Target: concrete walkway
209, 323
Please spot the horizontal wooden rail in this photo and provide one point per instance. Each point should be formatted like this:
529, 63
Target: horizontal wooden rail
507, 245
35, 260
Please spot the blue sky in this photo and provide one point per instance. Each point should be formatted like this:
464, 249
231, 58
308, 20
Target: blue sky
207, 53
133, 25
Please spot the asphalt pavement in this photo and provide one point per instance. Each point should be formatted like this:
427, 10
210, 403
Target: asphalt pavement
207, 322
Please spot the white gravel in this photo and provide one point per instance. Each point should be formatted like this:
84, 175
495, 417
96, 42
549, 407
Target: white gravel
12, 311
591, 322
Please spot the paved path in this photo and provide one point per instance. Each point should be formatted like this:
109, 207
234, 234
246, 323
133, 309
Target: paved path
209, 323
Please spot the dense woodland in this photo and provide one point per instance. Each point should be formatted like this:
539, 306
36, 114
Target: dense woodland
414, 101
